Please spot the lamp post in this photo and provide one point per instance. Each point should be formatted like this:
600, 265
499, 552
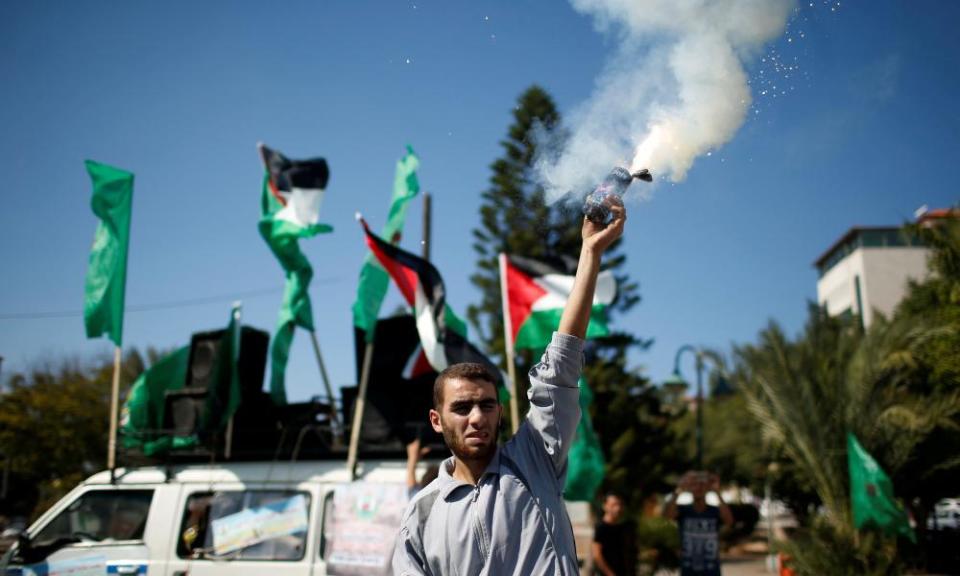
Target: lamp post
676, 378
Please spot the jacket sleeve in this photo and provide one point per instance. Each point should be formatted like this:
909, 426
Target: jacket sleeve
555, 398
408, 556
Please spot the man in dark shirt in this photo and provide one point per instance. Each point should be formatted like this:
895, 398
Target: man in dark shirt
613, 546
699, 524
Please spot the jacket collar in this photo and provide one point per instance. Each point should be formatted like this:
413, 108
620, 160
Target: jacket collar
450, 484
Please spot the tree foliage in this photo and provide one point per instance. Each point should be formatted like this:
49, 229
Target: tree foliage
54, 424
732, 444
893, 385
515, 218
937, 300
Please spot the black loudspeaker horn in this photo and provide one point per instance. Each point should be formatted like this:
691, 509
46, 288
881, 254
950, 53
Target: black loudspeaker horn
187, 409
205, 353
397, 404
184, 410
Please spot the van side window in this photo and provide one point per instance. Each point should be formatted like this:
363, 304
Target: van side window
245, 524
101, 515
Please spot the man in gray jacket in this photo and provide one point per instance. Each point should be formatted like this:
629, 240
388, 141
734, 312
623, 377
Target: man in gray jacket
499, 510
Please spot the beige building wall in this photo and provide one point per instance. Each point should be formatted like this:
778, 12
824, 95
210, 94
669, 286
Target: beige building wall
836, 290
886, 272
883, 273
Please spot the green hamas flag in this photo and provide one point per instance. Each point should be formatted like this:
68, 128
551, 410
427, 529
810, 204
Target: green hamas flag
142, 416
290, 208
374, 280
585, 466
223, 403
107, 270
871, 494
143, 413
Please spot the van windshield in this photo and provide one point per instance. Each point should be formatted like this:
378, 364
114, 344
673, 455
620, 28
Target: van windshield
100, 515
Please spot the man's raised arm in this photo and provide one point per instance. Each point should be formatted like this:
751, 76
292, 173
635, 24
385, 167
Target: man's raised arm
554, 395
596, 239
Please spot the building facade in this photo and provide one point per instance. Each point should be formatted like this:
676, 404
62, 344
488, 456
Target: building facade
867, 271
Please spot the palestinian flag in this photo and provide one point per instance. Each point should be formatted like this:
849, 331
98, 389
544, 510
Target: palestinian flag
290, 209
295, 189
535, 293
422, 287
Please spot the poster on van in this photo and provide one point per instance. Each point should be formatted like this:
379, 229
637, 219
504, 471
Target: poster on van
362, 528
251, 526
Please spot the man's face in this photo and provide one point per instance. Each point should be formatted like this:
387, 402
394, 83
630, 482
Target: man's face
469, 418
699, 487
613, 507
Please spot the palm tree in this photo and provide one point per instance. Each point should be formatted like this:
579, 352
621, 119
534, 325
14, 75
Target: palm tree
796, 392
808, 393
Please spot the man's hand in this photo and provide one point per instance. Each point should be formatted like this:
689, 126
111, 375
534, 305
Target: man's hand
415, 452
684, 484
714, 483
726, 515
597, 237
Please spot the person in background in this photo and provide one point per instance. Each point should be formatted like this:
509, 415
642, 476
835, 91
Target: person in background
194, 535
613, 541
414, 454
699, 524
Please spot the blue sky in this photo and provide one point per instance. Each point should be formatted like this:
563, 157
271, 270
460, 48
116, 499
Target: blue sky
179, 93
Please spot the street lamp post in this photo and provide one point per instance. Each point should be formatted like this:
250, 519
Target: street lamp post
676, 378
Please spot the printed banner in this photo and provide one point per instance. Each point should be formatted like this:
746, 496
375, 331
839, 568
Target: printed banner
255, 525
362, 529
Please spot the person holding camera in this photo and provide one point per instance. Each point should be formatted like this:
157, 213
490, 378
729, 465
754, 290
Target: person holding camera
699, 524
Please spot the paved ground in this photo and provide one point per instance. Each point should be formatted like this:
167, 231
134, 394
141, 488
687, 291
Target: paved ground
745, 566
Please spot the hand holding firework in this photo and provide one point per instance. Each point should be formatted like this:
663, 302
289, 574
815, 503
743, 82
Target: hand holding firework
609, 192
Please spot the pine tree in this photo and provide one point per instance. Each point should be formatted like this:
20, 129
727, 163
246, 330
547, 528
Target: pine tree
516, 219
514, 216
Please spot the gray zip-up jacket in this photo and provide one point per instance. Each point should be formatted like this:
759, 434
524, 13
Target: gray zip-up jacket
514, 520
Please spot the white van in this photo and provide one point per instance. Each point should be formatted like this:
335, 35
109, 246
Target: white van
217, 519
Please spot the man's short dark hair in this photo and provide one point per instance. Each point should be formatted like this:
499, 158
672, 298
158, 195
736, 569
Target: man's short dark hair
613, 494
464, 370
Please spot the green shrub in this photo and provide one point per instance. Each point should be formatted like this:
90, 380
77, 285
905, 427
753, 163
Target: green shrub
821, 549
659, 544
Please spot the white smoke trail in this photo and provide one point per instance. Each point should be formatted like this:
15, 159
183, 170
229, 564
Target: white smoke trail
675, 89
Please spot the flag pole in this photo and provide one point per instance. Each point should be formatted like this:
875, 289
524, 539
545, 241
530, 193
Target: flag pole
326, 379
508, 342
427, 220
358, 407
361, 401
236, 317
114, 408
359, 404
